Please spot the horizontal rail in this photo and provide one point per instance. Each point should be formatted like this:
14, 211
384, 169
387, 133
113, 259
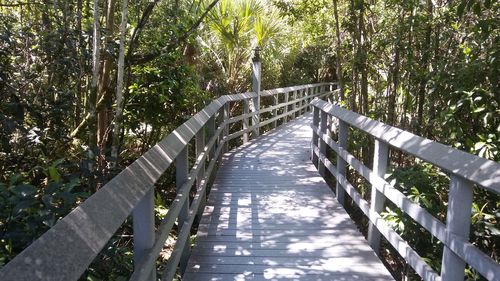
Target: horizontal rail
417, 213
65, 251
409, 254
478, 170
454, 234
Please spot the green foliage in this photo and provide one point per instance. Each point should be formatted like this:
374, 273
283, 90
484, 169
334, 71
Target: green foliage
28, 210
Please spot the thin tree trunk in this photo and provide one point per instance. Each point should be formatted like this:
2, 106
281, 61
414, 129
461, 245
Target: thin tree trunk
119, 87
363, 58
91, 103
340, 76
355, 79
425, 66
105, 90
391, 105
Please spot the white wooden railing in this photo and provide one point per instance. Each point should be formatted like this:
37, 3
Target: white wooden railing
65, 251
465, 170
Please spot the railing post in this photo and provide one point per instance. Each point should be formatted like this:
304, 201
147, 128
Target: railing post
225, 132
458, 219
380, 156
246, 110
310, 93
143, 217
200, 147
314, 142
256, 76
341, 163
285, 110
300, 102
322, 143
294, 105
210, 134
181, 177
303, 100
275, 111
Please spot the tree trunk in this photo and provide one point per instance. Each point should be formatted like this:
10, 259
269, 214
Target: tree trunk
119, 87
92, 100
355, 79
105, 89
391, 105
425, 67
340, 75
363, 58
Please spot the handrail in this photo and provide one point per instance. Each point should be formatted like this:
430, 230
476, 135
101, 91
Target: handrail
87, 229
465, 170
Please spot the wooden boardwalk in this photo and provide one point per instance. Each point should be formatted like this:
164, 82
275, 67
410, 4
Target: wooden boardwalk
271, 216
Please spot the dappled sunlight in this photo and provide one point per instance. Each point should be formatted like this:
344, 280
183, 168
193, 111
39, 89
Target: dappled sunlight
271, 216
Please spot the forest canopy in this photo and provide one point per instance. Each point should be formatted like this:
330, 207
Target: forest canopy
87, 86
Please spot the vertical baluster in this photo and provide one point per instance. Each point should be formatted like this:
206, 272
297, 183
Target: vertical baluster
311, 92
322, 143
225, 132
301, 102
294, 105
285, 109
181, 177
245, 120
275, 111
341, 164
144, 228
314, 142
458, 219
210, 133
380, 157
305, 93
200, 147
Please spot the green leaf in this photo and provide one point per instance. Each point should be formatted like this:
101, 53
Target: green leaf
479, 145
477, 8
461, 8
479, 109
54, 174
23, 205
24, 190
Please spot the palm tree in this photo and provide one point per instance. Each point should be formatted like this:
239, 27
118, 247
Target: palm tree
234, 28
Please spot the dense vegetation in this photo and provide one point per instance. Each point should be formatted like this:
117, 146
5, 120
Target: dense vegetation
88, 86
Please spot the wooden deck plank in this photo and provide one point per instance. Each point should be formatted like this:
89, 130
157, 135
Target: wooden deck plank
270, 216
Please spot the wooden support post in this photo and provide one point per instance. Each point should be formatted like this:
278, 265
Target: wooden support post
380, 156
341, 163
303, 101
225, 132
458, 219
299, 103
285, 109
275, 111
256, 77
315, 138
294, 105
322, 143
246, 110
200, 148
143, 217
314, 91
210, 133
181, 177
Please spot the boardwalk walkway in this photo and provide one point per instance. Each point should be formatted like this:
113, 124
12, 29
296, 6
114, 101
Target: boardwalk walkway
270, 216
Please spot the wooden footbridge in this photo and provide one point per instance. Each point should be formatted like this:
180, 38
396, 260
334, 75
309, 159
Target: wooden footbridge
269, 214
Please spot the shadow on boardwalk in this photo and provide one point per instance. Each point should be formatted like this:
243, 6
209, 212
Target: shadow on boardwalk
270, 216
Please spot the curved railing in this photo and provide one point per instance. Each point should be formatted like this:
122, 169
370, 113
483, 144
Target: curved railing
465, 170
65, 251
